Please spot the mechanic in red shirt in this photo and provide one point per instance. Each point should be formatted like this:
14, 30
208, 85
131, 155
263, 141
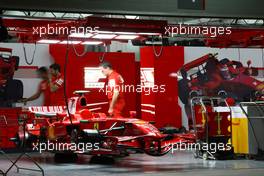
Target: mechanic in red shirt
43, 87
56, 84
114, 90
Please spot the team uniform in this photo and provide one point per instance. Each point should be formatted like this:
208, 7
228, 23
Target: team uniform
57, 97
45, 89
115, 83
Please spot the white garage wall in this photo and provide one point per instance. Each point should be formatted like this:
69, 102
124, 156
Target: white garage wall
241, 54
42, 58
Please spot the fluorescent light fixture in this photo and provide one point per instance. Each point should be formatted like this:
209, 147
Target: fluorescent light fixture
250, 21
131, 17
148, 33
70, 42
92, 43
48, 41
86, 15
113, 32
105, 32
127, 37
153, 43
81, 35
128, 33
104, 36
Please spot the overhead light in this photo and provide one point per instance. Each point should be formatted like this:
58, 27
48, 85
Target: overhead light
127, 37
113, 32
131, 17
250, 21
104, 36
148, 33
48, 41
70, 42
153, 43
129, 33
92, 43
105, 32
81, 35
86, 15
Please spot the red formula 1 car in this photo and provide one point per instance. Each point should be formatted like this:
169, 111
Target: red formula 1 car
104, 135
207, 76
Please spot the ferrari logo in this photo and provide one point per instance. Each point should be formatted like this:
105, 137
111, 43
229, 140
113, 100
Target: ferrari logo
96, 126
218, 118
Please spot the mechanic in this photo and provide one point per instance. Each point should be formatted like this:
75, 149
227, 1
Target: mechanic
213, 72
184, 84
56, 84
114, 89
43, 87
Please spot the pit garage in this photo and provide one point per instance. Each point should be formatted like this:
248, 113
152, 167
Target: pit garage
116, 87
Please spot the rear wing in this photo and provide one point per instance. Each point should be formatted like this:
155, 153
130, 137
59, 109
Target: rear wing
47, 110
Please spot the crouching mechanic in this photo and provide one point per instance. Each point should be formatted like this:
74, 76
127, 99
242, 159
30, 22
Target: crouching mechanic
114, 90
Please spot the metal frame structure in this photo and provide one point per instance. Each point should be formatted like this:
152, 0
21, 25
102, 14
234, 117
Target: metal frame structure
261, 111
252, 29
201, 101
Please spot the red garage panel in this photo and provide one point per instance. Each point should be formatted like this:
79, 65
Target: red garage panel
167, 111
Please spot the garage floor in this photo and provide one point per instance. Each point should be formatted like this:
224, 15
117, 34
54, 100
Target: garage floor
180, 163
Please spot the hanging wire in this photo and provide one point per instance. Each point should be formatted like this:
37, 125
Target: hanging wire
262, 61
65, 80
157, 54
239, 58
25, 54
101, 59
79, 54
